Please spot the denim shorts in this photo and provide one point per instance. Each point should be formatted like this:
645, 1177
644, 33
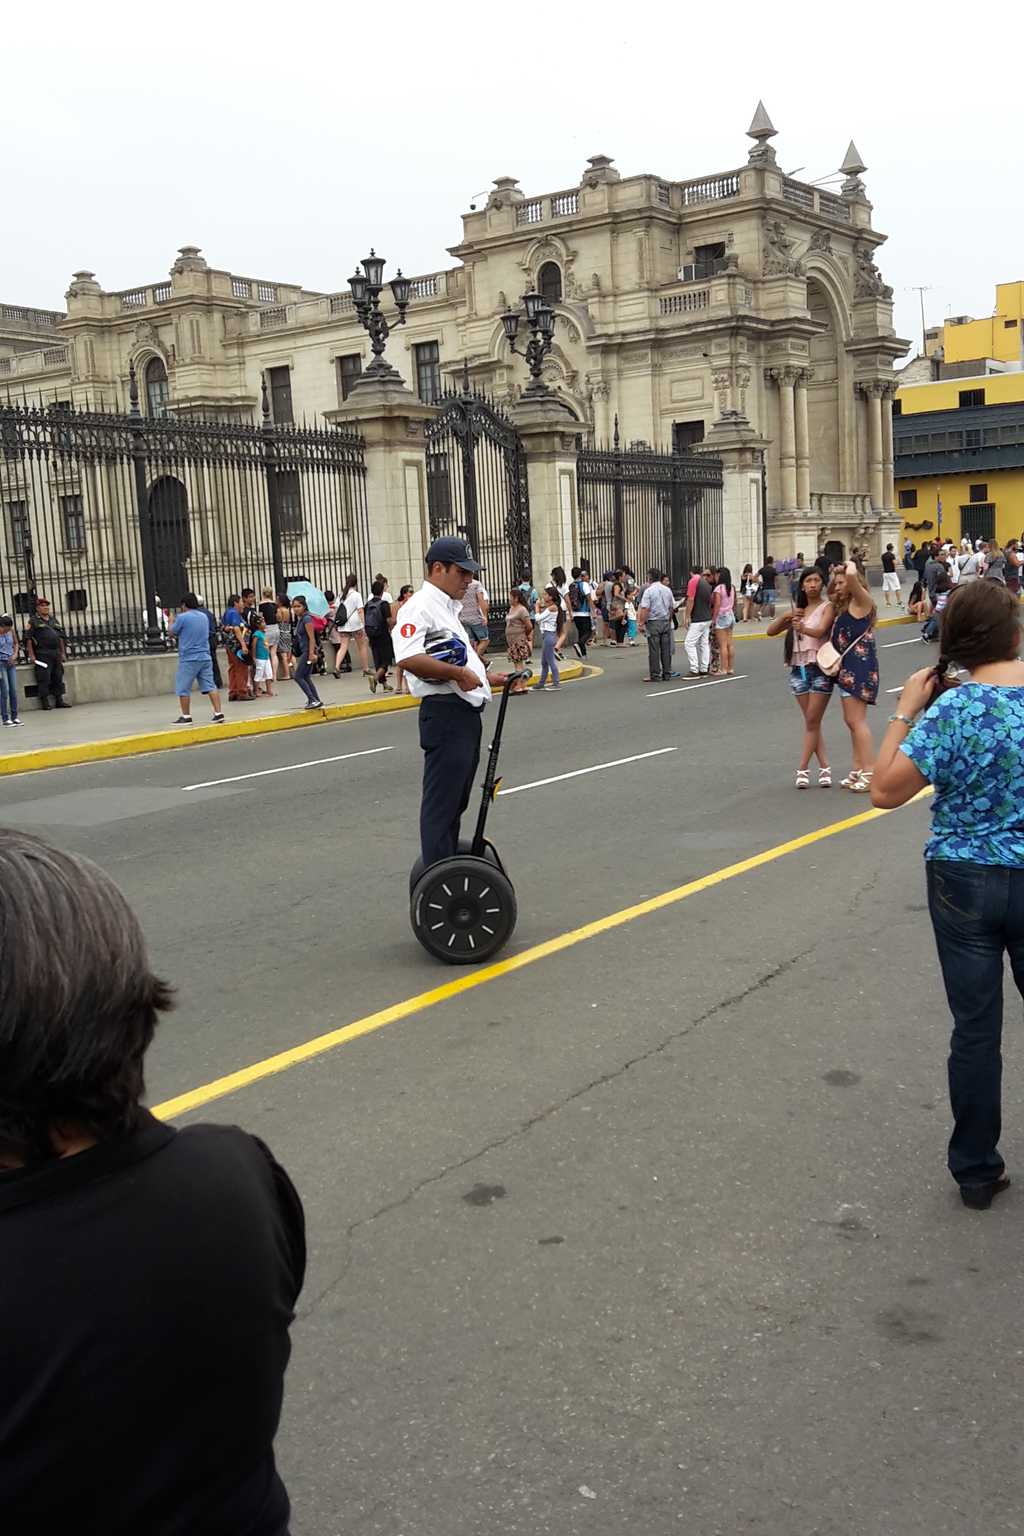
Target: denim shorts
476, 632
809, 679
189, 672
725, 620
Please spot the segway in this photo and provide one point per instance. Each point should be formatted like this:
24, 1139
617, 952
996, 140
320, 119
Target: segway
464, 909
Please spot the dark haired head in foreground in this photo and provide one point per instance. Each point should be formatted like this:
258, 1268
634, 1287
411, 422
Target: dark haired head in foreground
148, 1275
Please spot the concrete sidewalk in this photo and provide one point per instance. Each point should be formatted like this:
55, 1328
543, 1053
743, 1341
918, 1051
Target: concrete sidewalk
125, 728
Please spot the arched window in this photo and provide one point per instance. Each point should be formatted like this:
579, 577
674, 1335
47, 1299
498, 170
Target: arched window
156, 387
549, 282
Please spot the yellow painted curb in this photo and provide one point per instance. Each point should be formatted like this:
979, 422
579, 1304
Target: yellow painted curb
197, 735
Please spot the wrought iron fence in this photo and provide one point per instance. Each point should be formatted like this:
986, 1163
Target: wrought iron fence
648, 509
476, 487
112, 515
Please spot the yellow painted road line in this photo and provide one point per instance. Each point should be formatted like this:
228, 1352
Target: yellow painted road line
468, 981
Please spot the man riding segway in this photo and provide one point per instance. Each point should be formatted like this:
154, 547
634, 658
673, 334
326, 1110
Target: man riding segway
452, 683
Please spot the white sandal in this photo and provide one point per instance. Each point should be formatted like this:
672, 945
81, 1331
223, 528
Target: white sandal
825, 778
803, 779
861, 782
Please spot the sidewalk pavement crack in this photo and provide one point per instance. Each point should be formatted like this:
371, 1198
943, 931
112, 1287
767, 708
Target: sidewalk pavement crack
550, 1110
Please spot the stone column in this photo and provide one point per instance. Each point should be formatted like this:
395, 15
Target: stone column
872, 393
785, 379
803, 443
391, 420
741, 449
888, 474
551, 436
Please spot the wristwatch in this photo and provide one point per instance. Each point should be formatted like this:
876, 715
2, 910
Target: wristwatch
904, 719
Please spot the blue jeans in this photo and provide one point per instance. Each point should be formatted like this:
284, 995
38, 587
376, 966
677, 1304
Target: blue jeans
301, 676
8, 691
977, 912
547, 660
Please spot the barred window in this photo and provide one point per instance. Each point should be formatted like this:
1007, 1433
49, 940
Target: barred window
289, 501
17, 516
349, 369
156, 387
280, 382
428, 371
73, 515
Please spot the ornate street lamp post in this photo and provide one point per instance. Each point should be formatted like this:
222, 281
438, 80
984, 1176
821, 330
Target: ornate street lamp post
366, 289
540, 318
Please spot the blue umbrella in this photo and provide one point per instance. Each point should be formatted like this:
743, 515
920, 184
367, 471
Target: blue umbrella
315, 600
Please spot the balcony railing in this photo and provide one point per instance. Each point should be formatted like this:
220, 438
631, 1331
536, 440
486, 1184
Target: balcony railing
341, 303
564, 203
37, 319
530, 213
135, 298
683, 303
161, 293
710, 189
273, 319
55, 357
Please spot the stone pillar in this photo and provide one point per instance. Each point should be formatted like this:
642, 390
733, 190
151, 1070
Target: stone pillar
785, 378
803, 443
888, 474
551, 437
392, 421
741, 450
872, 393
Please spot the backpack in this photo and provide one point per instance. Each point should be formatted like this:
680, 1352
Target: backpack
582, 600
340, 616
373, 616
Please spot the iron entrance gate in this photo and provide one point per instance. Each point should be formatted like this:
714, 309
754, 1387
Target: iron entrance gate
649, 510
476, 488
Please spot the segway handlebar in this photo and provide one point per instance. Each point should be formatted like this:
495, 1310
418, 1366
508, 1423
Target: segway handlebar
491, 780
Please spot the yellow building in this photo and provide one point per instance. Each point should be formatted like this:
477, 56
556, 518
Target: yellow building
959, 439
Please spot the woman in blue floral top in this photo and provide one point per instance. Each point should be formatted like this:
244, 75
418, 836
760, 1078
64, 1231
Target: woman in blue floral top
969, 744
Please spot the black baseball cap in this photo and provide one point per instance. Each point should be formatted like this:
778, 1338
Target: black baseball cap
452, 552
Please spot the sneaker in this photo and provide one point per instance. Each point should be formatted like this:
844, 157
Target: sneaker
183, 720
315, 704
552, 687
559, 656
8, 722
218, 719
17, 722
371, 678
578, 649
671, 675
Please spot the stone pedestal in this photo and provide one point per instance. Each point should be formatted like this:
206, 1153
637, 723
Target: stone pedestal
550, 435
392, 422
740, 448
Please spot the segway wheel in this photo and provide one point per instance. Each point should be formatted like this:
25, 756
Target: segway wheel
463, 910
465, 850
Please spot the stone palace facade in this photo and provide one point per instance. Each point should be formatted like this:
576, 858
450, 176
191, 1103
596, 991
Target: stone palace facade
743, 309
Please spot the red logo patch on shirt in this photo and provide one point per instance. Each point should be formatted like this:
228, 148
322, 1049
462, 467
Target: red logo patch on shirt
407, 631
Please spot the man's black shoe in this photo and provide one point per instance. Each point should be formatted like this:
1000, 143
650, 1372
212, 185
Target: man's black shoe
47, 702
980, 1196
63, 704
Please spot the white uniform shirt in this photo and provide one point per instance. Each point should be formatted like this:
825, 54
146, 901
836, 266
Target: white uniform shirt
427, 609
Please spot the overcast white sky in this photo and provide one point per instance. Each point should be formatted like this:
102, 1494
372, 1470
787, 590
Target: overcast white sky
285, 139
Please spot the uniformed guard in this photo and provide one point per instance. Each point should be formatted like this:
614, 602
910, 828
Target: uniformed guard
453, 684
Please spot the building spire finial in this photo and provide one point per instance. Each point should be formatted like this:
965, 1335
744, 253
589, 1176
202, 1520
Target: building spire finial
761, 130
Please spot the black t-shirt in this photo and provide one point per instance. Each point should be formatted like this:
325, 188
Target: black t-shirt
766, 576
889, 563
700, 609
146, 1290
269, 612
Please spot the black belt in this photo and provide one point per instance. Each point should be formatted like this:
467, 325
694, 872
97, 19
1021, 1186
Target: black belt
448, 698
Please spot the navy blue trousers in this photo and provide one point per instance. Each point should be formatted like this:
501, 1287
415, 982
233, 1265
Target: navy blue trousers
450, 732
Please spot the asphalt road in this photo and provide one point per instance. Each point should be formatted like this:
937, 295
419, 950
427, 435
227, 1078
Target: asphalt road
653, 1234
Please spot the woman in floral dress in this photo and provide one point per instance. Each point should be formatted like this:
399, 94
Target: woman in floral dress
853, 635
518, 636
